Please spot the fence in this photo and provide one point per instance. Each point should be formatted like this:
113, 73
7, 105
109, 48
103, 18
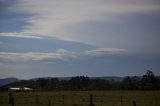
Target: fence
74, 99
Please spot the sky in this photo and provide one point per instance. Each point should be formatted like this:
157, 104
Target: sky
60, 38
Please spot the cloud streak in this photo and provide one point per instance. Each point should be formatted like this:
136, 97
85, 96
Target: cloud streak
60, 54
21, 35
50, 18
104, 52
132, 25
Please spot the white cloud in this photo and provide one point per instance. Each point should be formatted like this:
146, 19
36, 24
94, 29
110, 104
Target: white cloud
21, 35
103, 23
60, 54
104, 51
52, 17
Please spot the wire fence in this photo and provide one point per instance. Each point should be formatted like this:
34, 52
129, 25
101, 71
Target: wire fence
51, 99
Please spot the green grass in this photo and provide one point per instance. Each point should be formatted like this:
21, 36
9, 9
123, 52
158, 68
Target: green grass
82, 98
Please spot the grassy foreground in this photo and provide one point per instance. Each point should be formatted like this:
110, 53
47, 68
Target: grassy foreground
82, 98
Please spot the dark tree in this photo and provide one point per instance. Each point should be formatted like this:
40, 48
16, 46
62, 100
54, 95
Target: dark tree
149, 81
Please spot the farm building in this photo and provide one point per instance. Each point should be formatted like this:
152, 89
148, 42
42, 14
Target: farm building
20, 89
16, 89
27, 89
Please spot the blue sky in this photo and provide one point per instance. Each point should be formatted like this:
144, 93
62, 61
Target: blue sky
79, 37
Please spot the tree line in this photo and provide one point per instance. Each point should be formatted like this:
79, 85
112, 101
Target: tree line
146, 82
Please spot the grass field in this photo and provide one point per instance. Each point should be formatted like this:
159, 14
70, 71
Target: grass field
82, 98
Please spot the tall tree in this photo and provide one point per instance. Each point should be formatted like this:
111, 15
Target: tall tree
149, 81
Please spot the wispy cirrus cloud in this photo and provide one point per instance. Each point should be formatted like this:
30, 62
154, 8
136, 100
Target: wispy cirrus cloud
60, 54
105, 51
20, 35
103, 23
51, 18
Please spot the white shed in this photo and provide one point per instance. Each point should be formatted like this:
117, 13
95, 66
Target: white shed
14, 89
27, 89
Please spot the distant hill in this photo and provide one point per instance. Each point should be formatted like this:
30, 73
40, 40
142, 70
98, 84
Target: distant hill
109, 78
146, 82
6, 81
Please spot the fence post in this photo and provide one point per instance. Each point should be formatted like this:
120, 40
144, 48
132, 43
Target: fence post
134, 103
63, 99
49, 102
121, 100
36, 99
10, 98
91, 100
12, 101
156, 101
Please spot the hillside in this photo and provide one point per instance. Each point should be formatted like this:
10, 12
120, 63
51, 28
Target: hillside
6, 81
